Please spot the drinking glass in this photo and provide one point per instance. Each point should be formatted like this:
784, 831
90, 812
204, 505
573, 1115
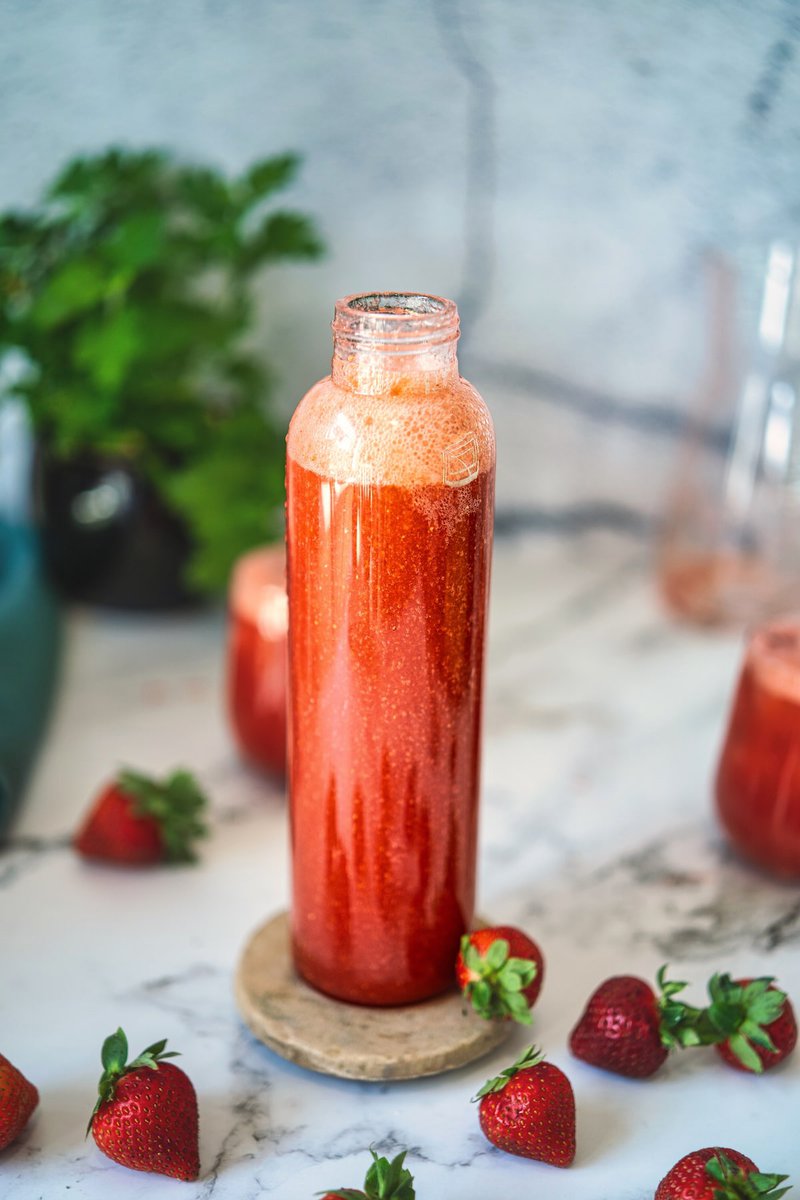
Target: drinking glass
730, 548
758, 780
257, 657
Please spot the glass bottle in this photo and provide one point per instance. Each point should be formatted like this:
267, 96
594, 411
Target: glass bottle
390, 497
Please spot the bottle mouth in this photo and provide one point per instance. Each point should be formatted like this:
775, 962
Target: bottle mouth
400, 322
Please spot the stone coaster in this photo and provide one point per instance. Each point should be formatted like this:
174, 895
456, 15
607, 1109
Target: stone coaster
349, 1040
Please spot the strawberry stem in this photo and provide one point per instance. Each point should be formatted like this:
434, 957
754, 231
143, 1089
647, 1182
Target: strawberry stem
498, 981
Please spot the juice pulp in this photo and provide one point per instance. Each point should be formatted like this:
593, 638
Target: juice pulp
388, 590
257, 653
758, 781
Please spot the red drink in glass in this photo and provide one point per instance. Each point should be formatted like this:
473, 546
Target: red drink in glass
390, 486
758, 780
257, 653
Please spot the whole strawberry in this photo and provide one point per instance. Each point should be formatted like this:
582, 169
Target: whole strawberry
500, 971
18, 1099
758, 1020
627, 1029
529, 1109
718, 1174
137, 820
146, 1112
385, 1181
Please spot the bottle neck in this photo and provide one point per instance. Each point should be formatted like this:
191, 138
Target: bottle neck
393, 343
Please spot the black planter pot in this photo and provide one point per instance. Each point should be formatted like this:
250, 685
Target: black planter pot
107, 537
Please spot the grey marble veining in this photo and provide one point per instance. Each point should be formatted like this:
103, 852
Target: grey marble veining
602, 725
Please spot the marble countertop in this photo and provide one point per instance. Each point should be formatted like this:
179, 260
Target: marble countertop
603, 723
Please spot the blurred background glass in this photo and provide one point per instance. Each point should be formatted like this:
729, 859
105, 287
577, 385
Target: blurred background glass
730, 550
758, 778
257, 657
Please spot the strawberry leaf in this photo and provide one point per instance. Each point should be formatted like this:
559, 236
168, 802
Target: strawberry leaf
156, 1048
754, 1033
767, 1185
480, 993
737, 1184
498, 980
764, 1005
389, 1180
739, 1015
718, 1167
114, 1053
681, 1024
385, 1180
669, 987
523, 970
527, 1060
744, 1051
497, 954
517, 1008
148, 1060
153, 1055
176, 804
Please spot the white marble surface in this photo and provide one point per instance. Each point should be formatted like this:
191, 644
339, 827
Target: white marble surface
603, 721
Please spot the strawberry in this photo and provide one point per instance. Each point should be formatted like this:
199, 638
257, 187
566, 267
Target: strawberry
500, 971
529, 1109
385, 1181
137, 820
627, 1029
18, 1099
146, 1112
756, 1019
717, 1174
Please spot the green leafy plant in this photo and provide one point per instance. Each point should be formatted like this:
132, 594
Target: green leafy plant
129, 292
